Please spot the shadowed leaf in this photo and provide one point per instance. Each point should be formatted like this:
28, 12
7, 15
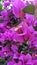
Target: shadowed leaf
29, 9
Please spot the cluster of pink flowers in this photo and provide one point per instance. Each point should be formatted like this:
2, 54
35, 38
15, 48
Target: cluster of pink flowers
18, 34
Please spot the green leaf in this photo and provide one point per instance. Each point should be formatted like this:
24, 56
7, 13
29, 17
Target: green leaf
1, 0
1, 20
1, 7
3, 61
35, 28
29, 9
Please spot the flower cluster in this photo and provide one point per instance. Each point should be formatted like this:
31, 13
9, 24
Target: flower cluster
18, 33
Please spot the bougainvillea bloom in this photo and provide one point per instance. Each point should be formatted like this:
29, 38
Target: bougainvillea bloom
18, 32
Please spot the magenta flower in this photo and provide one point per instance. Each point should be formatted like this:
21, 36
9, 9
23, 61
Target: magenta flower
29, 19
18, 42
21, 33
17, 9
35, 23
14, 48
6, 3
5, 52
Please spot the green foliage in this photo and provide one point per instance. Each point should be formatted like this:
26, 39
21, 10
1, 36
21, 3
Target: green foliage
1, 0
1, 20
1, 7
29, 9
35, 28
3, 61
